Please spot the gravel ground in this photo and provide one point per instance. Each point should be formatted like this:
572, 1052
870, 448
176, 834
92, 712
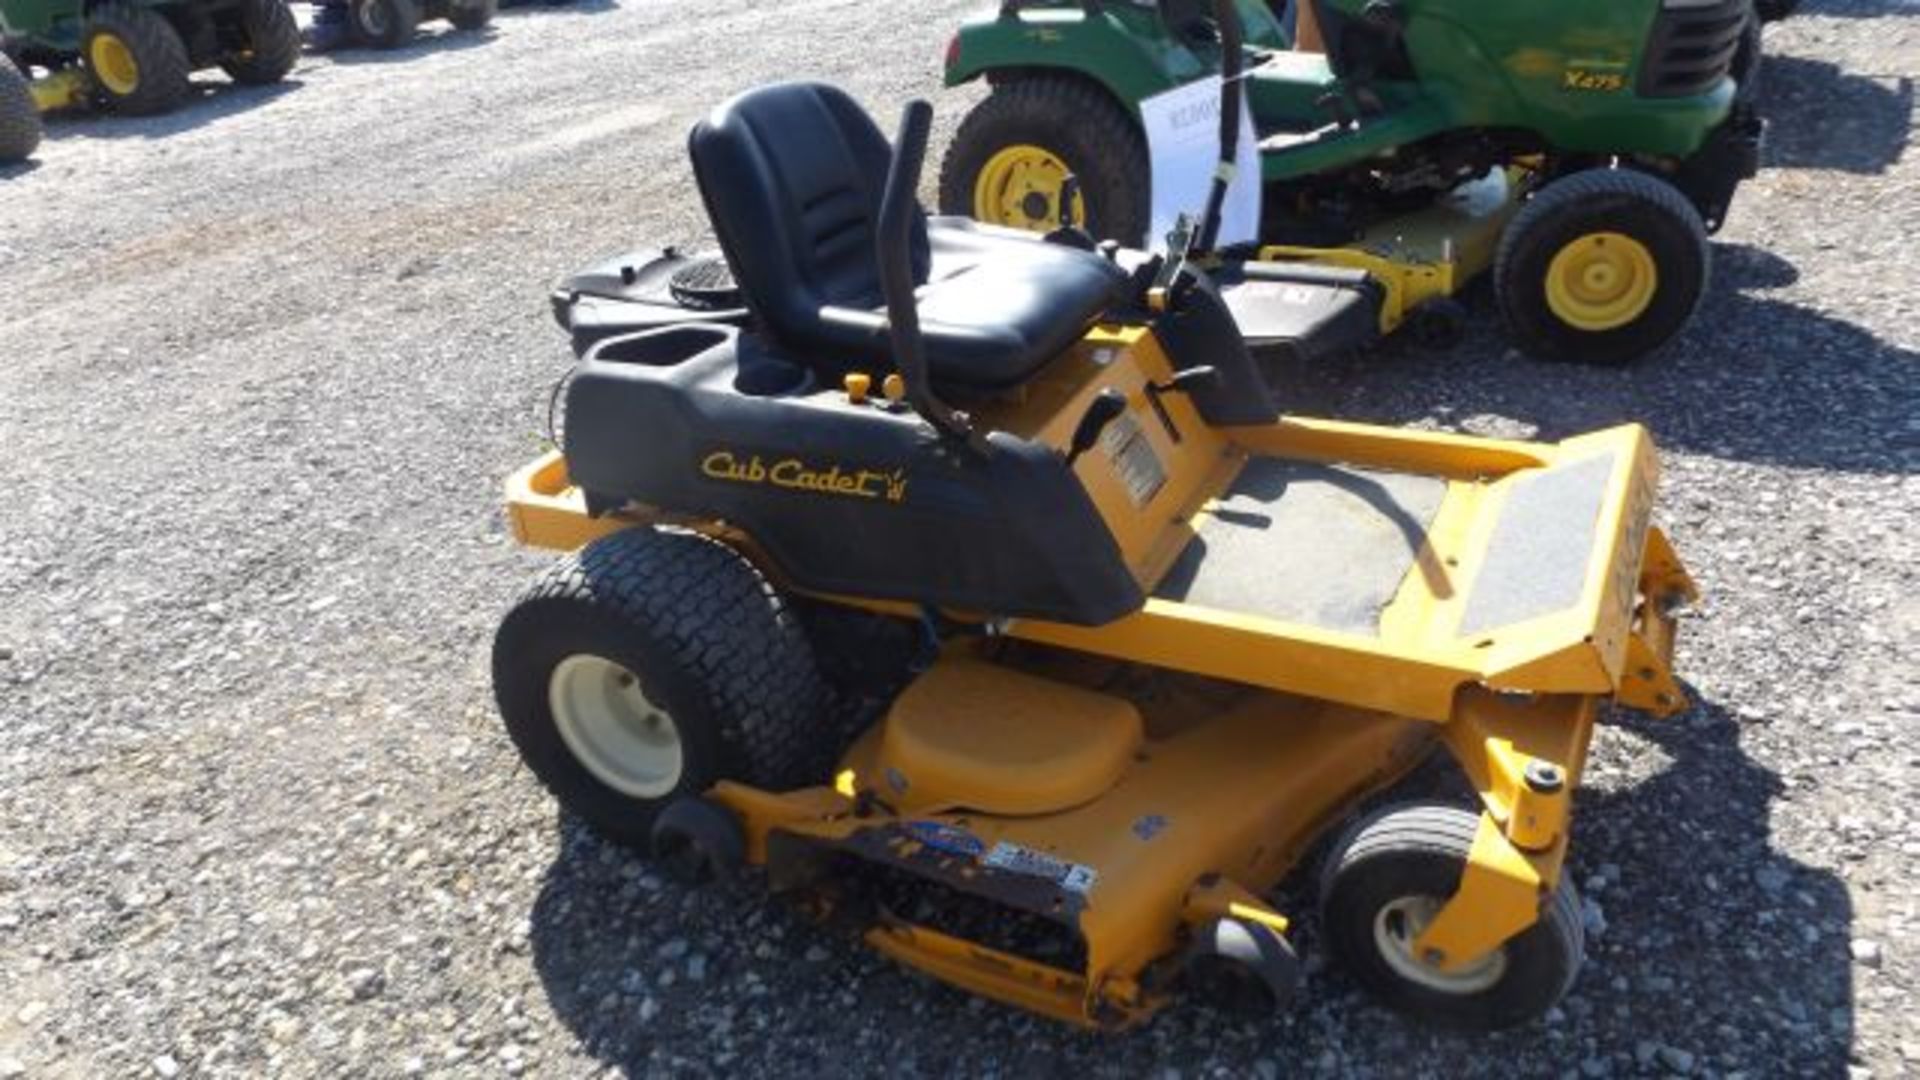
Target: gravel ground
268, 359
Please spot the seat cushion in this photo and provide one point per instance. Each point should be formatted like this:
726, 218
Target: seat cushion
999, 305
791, 175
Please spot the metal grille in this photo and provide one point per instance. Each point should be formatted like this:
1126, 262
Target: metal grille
1691, 49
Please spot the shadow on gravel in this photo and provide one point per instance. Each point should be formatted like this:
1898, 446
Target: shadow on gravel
211, 102
1754, 379
424, 43
1717, 944
1707, 949
1858, 9
18, 168
549, 7
1825, 118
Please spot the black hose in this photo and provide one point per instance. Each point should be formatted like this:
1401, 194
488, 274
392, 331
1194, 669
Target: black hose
1232, 65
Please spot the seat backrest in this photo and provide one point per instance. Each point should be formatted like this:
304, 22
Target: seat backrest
792, 176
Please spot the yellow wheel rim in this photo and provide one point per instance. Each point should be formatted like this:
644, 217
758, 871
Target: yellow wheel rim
1602, 281
1020, 187
113, 64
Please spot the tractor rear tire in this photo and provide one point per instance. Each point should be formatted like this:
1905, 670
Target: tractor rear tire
382, 24
273, 43
1601, 267
138, 61
472, 14
1388, 874
652, 664
1062, 121
19, 116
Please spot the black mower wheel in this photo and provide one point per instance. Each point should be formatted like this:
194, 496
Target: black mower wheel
472, 14
1386, 879
272, 43
650, 665
1601, 267
382, 24
1014, 151
19, 116
1242, 966
136, 58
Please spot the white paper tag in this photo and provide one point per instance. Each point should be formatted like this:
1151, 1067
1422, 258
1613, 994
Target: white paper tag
1183, 143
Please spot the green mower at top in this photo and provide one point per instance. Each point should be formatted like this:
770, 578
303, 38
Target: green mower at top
136, 56
1581, 151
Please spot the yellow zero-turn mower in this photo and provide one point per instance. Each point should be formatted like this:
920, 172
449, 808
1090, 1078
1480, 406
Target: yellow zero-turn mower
1132, 639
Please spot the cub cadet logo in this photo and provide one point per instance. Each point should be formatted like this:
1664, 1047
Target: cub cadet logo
1586, 80
797, 475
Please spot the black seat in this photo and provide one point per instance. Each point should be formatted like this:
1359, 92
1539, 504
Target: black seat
792, 177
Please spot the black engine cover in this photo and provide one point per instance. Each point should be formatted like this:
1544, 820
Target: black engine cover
857, 499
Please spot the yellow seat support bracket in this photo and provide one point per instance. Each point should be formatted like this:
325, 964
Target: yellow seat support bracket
1524, 754
1215, 897
1500, 894
1648, 682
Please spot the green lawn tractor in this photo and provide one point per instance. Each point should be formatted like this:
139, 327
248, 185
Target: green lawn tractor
1580, 151
19, 116
389, 24
136, 57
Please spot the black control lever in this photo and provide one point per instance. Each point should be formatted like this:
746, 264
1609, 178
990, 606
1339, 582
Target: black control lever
893, 239
1183, 382
1203, 377
1069, 233
1106, 407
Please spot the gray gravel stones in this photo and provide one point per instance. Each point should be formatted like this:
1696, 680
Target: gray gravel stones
267, 360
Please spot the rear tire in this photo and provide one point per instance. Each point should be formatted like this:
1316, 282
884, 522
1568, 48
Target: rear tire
1073, 123
472, 14
1388, 874
137, 59
1601, 267
273, 44
694, 644
382, 24
19, 117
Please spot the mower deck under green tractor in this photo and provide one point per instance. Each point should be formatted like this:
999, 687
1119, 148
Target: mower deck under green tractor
1131, 640
1611, 131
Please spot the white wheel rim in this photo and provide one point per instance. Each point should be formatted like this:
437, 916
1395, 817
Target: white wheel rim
614, 730
1401, 922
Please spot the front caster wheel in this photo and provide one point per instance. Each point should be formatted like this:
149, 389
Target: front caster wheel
649, 666
697, 842
1387, 879
1242, 966
1439, 324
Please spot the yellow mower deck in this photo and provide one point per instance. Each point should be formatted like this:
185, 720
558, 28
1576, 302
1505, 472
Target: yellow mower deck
60, 90
1429, 254
1329, 601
